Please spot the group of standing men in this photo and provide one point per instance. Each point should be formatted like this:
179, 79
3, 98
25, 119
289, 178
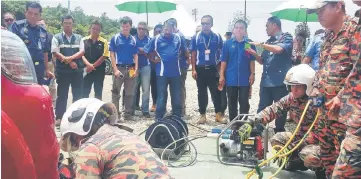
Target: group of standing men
214, 65
78, 61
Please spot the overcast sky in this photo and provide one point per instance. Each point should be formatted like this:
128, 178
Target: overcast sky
257, 10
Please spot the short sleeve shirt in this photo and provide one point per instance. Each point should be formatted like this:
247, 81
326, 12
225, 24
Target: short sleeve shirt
202, 42
94, 50
34, 37
142, 58
124, 48
313, 50
238, 62
168, 49
275, 66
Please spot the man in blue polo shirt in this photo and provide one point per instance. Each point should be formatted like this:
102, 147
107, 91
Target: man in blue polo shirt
184, 65
123, 53
168, 45
237, 70
144, 69
205, 47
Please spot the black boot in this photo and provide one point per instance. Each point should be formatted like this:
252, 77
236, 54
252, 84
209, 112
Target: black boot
295, 163
320, 174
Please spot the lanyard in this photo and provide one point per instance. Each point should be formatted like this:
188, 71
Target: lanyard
209, 41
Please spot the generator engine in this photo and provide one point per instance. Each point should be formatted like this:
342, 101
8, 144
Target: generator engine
242, 146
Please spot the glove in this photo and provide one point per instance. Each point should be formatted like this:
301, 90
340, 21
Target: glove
257, 122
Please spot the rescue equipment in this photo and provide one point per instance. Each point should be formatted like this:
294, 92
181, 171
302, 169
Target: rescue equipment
168, 131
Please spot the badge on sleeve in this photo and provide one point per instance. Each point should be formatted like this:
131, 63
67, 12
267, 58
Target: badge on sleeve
26, 41
39, 44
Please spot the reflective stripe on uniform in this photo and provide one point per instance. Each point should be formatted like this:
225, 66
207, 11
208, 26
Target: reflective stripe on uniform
68, 46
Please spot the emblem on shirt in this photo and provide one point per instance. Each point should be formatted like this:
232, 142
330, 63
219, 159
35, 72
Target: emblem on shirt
233, 46
26, 41
163, 44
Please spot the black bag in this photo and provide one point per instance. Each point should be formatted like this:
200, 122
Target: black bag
165, 132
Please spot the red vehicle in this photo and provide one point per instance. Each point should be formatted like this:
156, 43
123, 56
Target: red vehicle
29, 147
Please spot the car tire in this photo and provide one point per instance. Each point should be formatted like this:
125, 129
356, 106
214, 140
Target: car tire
108, 67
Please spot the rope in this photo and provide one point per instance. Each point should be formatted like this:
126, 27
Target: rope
283, 153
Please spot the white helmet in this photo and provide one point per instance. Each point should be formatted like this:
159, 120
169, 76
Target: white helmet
301, 74
80, 116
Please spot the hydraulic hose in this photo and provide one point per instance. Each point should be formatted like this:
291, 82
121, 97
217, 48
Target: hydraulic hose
283, 153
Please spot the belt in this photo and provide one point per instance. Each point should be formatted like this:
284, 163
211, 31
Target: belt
125, 66
206, 66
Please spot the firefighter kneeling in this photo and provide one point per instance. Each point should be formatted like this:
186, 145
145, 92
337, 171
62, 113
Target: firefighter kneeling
299, 83
98, 148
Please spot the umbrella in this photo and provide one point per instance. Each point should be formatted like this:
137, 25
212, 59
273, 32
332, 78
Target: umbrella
145, 6
295, 10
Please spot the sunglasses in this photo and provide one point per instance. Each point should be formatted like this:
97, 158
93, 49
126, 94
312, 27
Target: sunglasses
8, 20
158, 31
141, 28
205, 24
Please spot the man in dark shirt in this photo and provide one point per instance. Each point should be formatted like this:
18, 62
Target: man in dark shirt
144, 76
96, 50
51, 66
205, 47
276, 61
35, 38
68, 51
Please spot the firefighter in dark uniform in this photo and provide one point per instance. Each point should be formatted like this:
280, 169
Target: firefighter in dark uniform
35, 38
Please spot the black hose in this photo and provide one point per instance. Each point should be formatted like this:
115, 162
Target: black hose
192, 159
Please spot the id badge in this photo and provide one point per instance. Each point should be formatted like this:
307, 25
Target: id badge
206, 53
206, 57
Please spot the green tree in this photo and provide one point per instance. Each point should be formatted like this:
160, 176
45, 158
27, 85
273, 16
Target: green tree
15, 7
238, 15
52, 17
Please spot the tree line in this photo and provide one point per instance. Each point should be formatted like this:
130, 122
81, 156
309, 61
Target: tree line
52, 17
